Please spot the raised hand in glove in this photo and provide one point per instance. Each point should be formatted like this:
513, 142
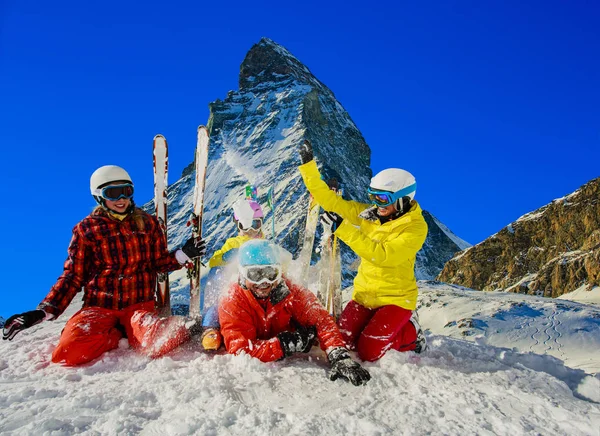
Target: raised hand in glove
300, 341
343, 366
21, 321
306, 152
331, 220
194, 247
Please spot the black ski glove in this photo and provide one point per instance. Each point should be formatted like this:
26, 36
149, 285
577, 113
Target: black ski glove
21, 321
331, 220
194, 247
343, 366
300, 341
306, 152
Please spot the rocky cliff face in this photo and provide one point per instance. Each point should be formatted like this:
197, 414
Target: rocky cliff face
254, 135
549, 252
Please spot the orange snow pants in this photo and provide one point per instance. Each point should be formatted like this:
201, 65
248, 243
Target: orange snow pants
371, 332
93, 331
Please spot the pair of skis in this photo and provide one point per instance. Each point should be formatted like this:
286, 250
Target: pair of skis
329, 288
160, 202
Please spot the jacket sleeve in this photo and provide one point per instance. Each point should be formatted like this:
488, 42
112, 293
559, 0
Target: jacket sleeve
75, 272
239, 331
165, 260
327, 199
391, 252
224, 254
309, 312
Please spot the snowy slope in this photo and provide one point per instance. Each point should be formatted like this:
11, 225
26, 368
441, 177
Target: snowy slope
569, 331
458, 387
583, 295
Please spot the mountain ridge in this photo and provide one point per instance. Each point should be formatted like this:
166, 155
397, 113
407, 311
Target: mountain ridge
548, 252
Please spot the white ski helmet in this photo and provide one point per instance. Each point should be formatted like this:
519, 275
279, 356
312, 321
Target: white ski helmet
245, 211
105, 175
395, 180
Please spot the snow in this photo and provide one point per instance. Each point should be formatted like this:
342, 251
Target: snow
524, 367
584, 295
566, 330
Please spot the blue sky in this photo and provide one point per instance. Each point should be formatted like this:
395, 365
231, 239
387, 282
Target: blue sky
492, 105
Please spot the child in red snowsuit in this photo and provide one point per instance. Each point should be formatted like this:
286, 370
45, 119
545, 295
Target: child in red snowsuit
270, 318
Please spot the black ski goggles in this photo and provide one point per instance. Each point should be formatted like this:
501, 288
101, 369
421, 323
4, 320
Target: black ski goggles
259, 274
116, 192
256, 225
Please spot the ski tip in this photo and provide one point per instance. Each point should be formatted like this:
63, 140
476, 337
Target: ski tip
159, 136
201, 127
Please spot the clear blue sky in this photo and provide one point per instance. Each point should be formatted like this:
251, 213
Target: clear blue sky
494, 106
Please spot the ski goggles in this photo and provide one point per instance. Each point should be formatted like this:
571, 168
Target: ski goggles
259, 274
115, 192
256, 225
385, 198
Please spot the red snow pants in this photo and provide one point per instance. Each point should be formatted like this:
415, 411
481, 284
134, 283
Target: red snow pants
93, 330
371, 332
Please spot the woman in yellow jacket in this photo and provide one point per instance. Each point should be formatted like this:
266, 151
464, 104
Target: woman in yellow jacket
386, 235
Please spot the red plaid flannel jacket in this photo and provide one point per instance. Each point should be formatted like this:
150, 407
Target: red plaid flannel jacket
115, 262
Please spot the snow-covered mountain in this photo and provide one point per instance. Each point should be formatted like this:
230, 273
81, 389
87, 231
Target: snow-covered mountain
254, 135
440, 246
489, 380
551, 251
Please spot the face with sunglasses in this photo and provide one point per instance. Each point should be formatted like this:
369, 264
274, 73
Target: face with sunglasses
117, 196
260, 279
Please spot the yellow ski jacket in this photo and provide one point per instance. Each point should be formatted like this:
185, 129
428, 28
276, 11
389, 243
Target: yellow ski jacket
386, 275
230, 244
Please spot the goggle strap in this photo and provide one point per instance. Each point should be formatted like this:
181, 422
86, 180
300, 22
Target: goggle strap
405, 191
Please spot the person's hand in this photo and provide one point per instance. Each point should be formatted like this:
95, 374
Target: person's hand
343, 366
306, 152
194, 247
300, 341
331, 220
21, 321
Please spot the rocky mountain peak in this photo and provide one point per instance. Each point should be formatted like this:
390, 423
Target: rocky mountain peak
254, 136
269, 62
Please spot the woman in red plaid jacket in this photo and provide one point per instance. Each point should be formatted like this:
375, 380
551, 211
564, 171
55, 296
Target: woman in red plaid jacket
114, 255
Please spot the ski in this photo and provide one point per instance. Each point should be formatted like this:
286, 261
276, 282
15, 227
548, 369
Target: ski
312, 219
271, 204
201, 162
335, 274
161, 169
330, 274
